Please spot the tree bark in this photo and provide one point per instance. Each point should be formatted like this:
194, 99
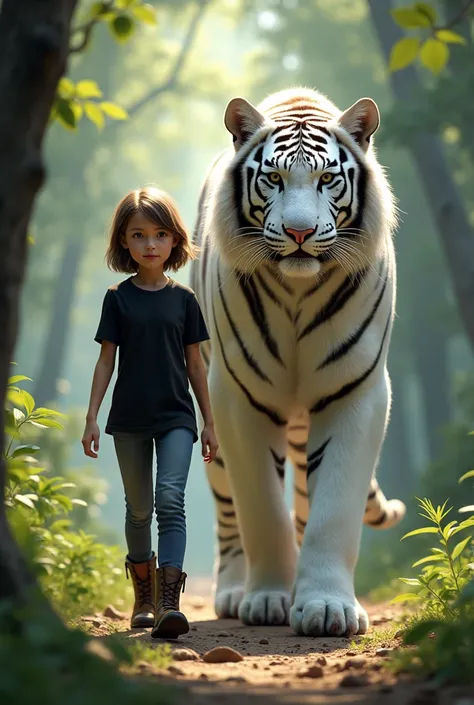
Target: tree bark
457, 237
34, 37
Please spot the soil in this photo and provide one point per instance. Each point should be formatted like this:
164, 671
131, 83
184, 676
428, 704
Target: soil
277, 665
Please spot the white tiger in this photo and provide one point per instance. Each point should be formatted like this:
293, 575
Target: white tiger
297, 283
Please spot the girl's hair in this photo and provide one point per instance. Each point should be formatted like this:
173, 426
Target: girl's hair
161, 209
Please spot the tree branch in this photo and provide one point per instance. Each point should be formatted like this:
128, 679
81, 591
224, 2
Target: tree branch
173, 77
460, 16
87, 29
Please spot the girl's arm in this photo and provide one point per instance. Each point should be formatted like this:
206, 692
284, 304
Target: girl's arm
102, 374
197, 377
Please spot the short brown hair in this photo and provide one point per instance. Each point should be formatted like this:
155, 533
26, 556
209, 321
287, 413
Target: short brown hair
161, 209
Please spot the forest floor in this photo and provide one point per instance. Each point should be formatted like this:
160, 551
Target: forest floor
277, 666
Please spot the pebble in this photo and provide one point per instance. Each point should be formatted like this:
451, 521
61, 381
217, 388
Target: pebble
354, 681
142, 665
322, 660
222, 654
185, 655
113, 613
92, 620
194, 629
204, 677
175, 670
223, 634
351, 653
384, 652
236, 679
263, 641
356, 662
313, 671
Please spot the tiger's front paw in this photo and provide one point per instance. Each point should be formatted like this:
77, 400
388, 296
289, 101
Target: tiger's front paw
327, 615
227, 601
265, 607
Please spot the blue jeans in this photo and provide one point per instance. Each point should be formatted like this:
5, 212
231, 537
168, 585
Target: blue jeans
135, 457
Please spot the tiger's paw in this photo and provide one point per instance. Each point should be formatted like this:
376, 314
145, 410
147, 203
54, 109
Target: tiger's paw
265, 607
227, 601
325, 615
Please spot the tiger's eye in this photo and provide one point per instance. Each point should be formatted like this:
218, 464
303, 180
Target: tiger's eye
327, 178
275, 177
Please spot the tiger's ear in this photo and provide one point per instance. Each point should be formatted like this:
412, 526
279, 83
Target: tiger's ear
361, 120
242, 120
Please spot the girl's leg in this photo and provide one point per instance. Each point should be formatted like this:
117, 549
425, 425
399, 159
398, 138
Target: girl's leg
135, 458
173, 453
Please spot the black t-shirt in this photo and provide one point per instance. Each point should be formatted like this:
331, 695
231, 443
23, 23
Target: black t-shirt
151, 328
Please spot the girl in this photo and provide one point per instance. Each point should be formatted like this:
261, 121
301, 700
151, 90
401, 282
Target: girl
157, 326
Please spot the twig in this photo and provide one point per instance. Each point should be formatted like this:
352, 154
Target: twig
172, 79
460, 15
87, 28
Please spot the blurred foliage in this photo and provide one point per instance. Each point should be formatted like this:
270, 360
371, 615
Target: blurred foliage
432, 46
76, 572
443, 631
41, 661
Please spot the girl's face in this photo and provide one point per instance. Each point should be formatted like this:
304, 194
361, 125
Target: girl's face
150, 244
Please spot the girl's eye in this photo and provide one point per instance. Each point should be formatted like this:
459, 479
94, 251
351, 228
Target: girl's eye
327, 178
137, 235
275, 177
162, 233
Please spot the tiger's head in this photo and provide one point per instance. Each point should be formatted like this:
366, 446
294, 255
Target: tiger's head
303, 187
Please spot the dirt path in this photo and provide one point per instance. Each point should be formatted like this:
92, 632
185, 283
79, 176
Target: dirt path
280, 667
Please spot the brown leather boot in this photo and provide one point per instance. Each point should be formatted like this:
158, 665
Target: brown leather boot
143, 579
169, 621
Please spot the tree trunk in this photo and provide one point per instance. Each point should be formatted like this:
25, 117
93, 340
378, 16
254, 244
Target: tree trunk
34, 40
457, 237
55, 348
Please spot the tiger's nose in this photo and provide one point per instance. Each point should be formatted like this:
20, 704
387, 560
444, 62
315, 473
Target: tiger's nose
299, 235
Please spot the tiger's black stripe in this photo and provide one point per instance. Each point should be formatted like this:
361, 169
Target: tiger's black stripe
315, 459
350, 386
270, 413
257, 311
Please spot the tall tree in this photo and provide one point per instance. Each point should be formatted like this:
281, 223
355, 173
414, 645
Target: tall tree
456, 235
34, 43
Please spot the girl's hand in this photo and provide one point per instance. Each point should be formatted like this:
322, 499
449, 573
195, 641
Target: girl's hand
91, 437
209, 443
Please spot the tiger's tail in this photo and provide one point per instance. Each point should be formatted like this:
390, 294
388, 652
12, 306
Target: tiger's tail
380, 512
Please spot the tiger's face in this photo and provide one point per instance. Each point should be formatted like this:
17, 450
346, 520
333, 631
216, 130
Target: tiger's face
299, 190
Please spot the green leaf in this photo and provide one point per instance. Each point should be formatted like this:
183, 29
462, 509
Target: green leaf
459, 548
18, 378
30, 239
423, 530
421, 630
122, 27
79, 502
428, 559
467, 508
23, 499
405, 597
65, 114
46, 423
466, 476
450, 37
20, 397
145, 13
95, 114
25, 450
409, 18
43, 411
410, 581
427, 9
403, 53
113, 111
434, 55
88, 89
66, 88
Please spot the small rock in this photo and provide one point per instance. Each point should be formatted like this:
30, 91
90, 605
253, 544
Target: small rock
113, 613
255, 665
175, 670
194, 629
204, 677
143, 665
398, 634
322, 660
275, 663
236, 679
351, 653
356, 662
245, 641
277, 675
223, 634
185, 655
92, 620
222, 654
263, 641
383, 652
354, 681
313, 671
297, 646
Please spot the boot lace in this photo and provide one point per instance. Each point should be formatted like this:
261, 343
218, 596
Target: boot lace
143, 587
170, 592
